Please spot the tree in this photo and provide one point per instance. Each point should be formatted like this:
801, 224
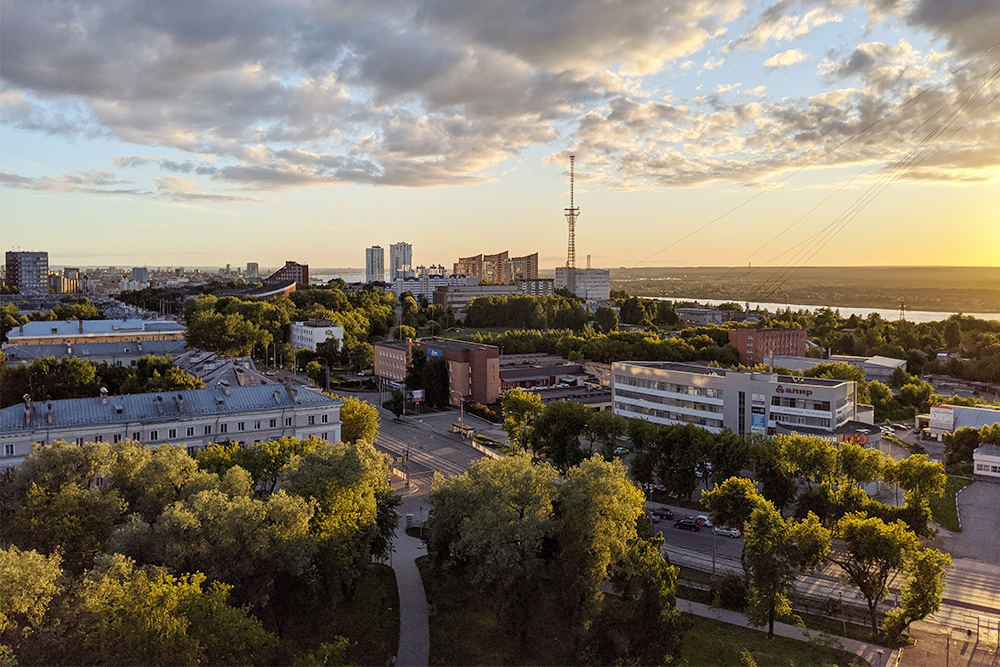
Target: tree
606, 318
403, 332
149, 480
29, 581
556, 432
396, 404
922, 592
733, 502
775, 551
520, 408
359, 419
605, 427
47, 379
873, 549
919, 477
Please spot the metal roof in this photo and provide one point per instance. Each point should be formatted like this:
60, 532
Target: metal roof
987, 450
92, 327
158, 407
28, 353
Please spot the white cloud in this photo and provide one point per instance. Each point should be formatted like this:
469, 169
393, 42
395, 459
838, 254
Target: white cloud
785, 59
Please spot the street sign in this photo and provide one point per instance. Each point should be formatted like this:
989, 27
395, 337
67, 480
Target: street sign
417, 395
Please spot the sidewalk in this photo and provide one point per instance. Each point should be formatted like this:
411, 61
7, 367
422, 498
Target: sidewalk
876, 656
414, 634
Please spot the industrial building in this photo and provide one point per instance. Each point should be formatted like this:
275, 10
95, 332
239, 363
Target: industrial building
28, 272
715, 398
70, 332
193, 419
945, 419
307, 335
428, 281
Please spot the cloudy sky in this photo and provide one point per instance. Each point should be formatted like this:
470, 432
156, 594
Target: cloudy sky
707, 132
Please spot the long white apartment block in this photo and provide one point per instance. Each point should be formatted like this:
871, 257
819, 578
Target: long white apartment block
715, 398
193, 419
307, 335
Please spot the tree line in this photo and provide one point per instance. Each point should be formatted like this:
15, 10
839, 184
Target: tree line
120, 554
50, 379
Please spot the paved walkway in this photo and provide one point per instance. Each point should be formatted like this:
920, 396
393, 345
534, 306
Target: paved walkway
414, 635
876, 656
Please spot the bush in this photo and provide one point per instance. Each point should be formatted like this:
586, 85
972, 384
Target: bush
730, 592
488, 413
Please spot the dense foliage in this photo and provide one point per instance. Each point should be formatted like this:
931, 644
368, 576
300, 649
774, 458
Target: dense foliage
125, 555
49, 379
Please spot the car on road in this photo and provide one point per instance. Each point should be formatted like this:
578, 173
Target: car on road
687, 523
621, 451
726, 531
662, 512
703, 521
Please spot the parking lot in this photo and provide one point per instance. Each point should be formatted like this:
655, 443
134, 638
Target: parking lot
979, 510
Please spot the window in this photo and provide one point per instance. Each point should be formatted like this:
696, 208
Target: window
79, 441
239, 426
98, 438
208, 430
274, 422
153, 435
256, 425
288, 421
223, 428
190, 431
8, 450
172, 433
312, 420
325, 418
117, 437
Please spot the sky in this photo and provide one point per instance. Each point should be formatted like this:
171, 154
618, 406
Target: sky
706, 132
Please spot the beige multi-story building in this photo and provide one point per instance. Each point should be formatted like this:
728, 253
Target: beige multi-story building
69, 332
193, 419
392, 359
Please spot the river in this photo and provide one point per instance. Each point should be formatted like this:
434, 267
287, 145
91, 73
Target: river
845, 311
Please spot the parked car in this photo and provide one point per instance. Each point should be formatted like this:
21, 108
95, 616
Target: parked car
621, 451
662, 512
687, 523
726, 531
703, 521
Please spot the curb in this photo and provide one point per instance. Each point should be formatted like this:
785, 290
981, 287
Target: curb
958, 509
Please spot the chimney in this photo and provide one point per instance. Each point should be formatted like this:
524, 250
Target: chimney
104, 396
27, 409
48, 416
81, 326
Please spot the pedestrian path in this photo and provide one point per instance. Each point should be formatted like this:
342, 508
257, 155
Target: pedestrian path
414, 632
873, 654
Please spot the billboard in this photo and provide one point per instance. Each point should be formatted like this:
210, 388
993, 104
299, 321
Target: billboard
417, 395
942, 418
432, 352
758, 420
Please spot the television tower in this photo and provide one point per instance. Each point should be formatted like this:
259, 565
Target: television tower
572, 213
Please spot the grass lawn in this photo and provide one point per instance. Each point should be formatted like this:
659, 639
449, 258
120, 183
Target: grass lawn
470, 334
943, 509
712, 643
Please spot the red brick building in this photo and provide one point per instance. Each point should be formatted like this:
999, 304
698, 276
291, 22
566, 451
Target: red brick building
290, 271
757, 344
473, 368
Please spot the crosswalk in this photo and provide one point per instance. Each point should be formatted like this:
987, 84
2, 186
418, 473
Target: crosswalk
418, 455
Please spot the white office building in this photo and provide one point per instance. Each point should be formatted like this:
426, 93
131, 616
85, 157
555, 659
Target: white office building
400, 260
986, 460
307, 335
715, 398
374, 264
427, 282
193, 419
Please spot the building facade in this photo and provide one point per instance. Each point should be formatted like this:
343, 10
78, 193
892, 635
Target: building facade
374, 264
69, 332
536, 286
425, 284
290, 271
500, 268
714, 398
193, 419
392, 358
27, 271
700, 317
458, 297
400, 260
589, 284
252, 270
756, 345
473, 368
140, 274
986, 462
113, 354
307, 335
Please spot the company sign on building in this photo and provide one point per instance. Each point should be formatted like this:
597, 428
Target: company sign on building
942, 418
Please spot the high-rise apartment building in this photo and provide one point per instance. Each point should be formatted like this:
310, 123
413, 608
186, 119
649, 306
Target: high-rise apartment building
589, 284
140, 274
253, 270
290, 271
28, 271
499, 268
374, 264
400, 260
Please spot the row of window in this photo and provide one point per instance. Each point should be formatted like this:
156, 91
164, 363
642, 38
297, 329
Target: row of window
986, 467
153, 435
801, 421
801, 404
676, 402
644, 383
672, 416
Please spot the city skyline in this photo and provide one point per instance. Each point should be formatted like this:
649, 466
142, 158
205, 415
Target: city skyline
837, 133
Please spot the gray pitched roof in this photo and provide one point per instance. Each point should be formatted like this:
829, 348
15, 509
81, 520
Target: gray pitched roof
163, 407
93, 327
989, 450
29, 353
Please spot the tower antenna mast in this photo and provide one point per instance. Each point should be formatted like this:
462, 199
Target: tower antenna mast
572, 213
